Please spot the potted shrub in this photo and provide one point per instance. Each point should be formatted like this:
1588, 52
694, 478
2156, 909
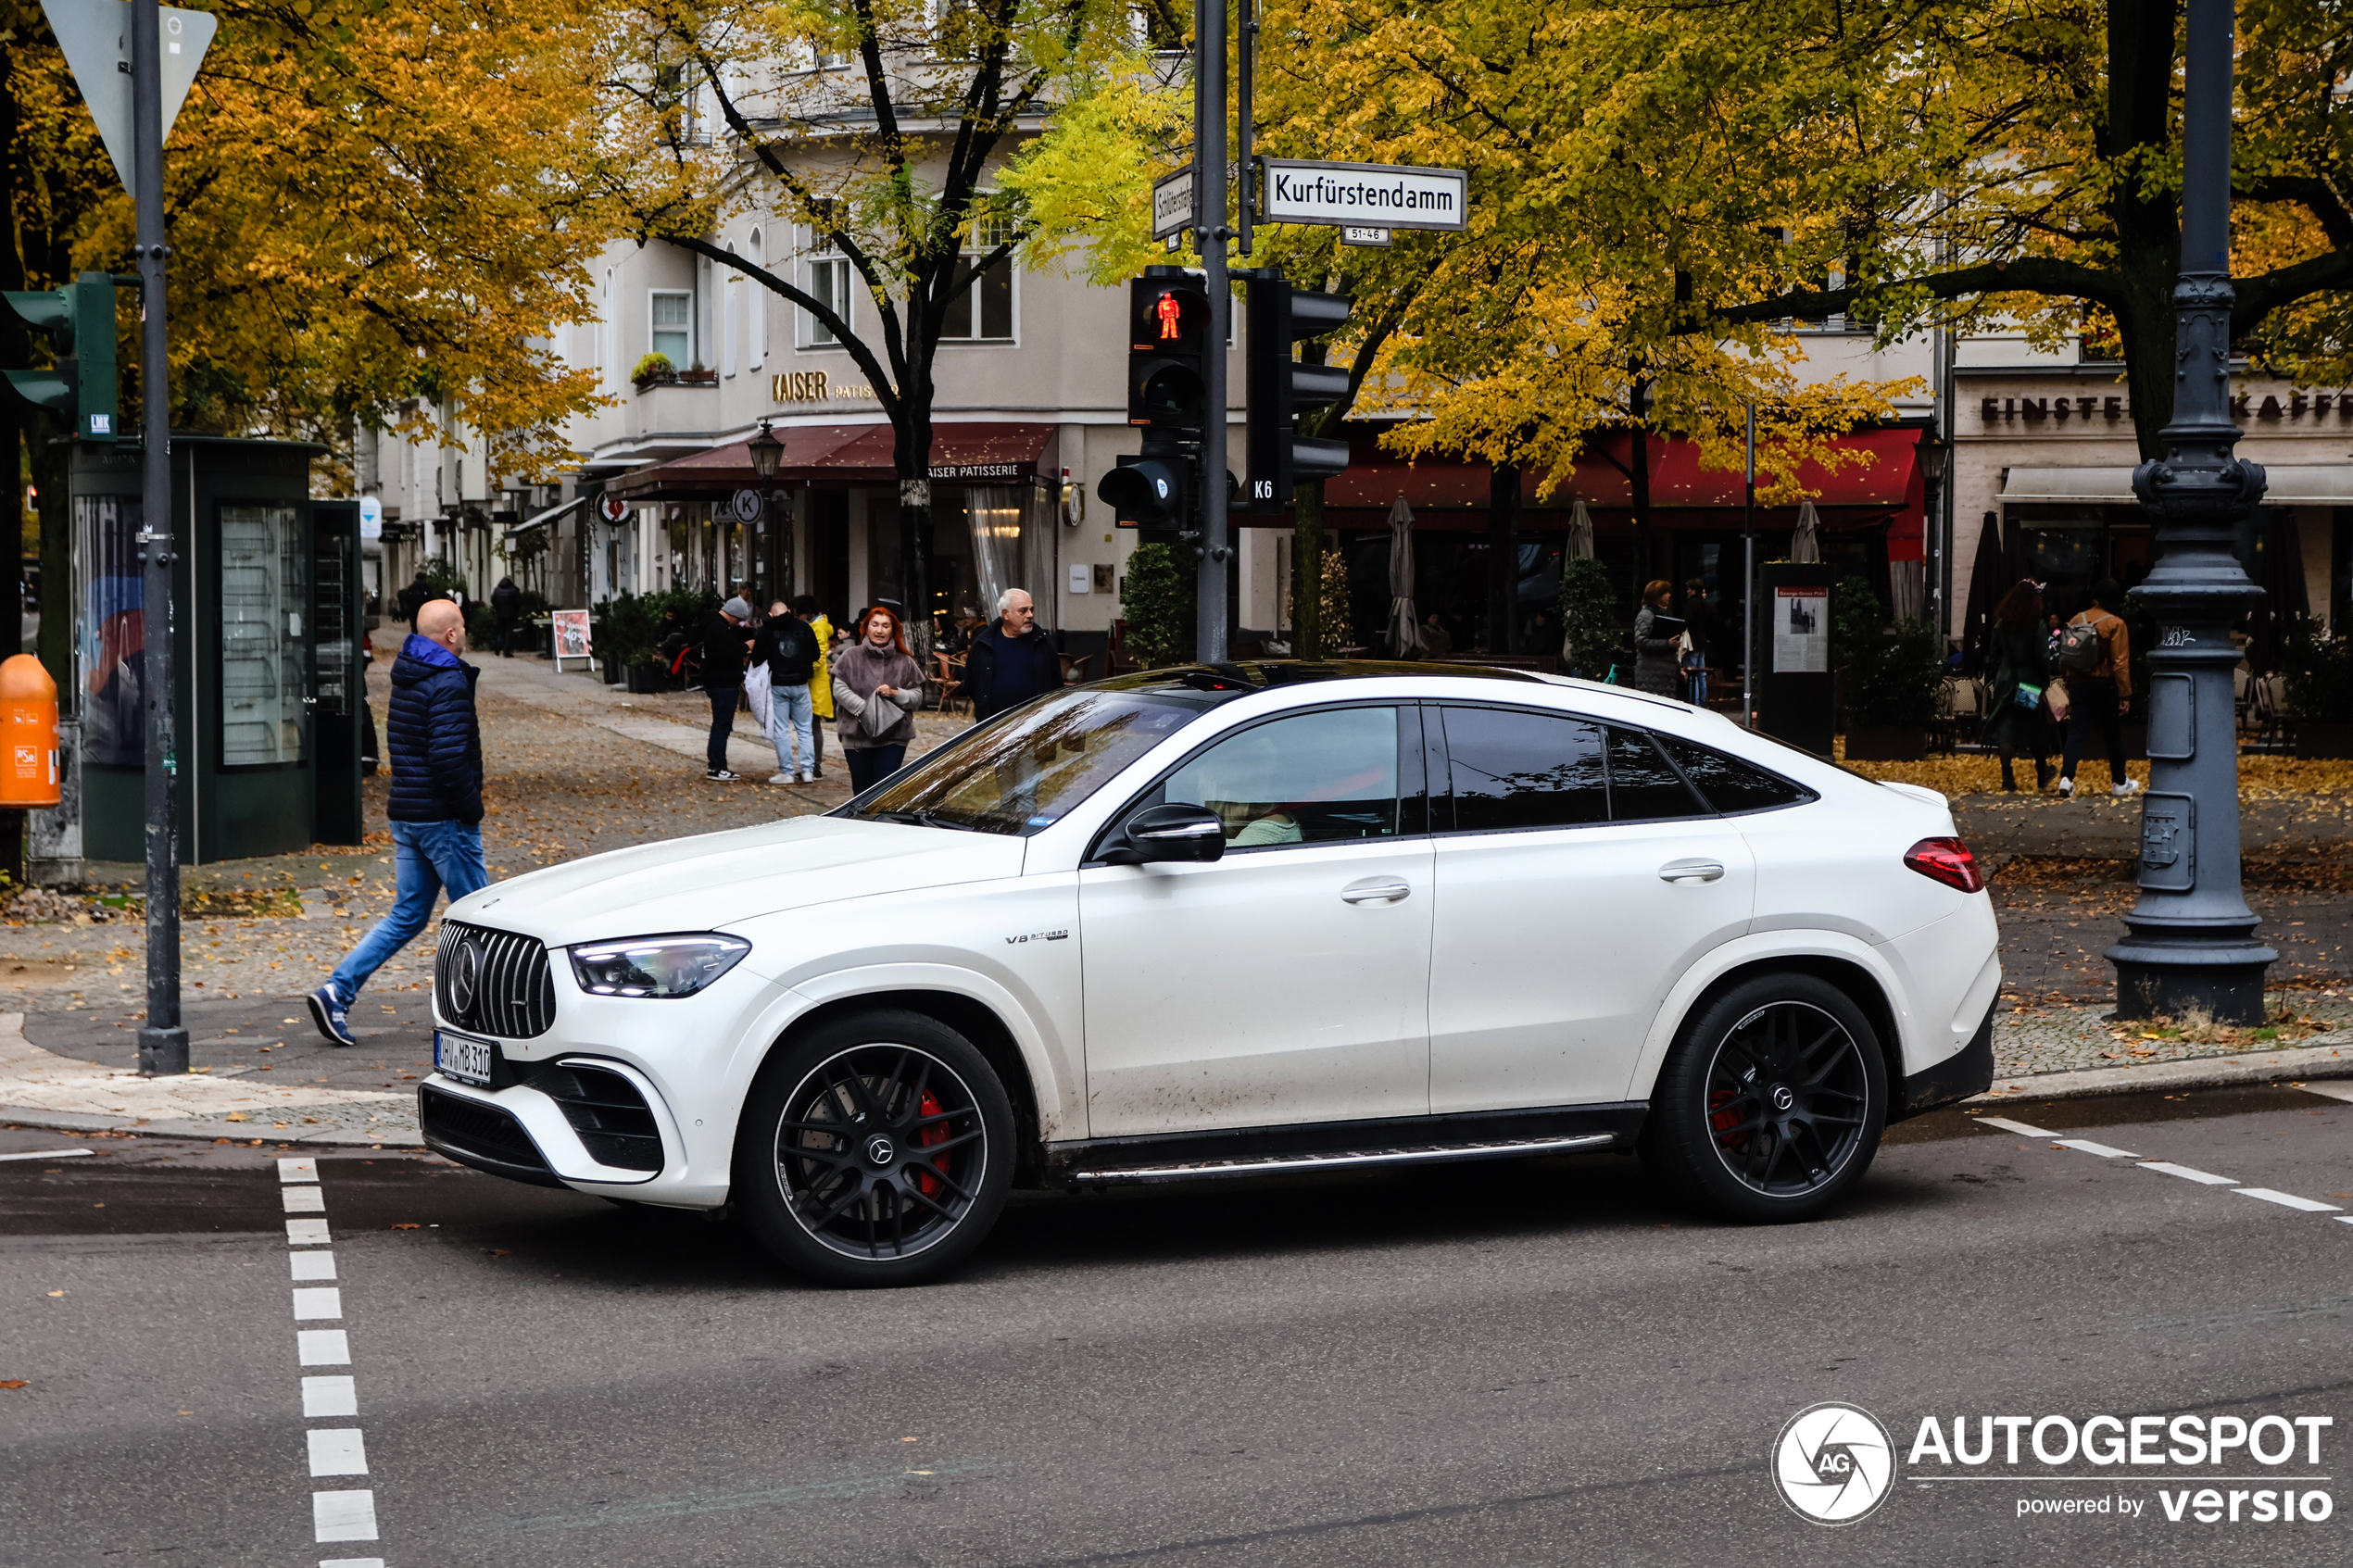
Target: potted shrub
1896, 684
654, 370
1157, 602
2319, 692
1590, 630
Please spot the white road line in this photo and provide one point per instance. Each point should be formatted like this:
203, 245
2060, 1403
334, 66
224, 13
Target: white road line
351, 1562
2344, 1219
2103, 1150
303, 1200
315, 1302
47, 1154
323, 1347
2209, 1178
2009, 1126
337, 1450
305, 1233
312, 1266
329, 1396
2335, 1088
2288, 1200
344, 1516
304, 1169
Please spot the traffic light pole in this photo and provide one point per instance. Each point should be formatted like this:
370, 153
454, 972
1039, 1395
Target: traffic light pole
1210, 235
163, 1043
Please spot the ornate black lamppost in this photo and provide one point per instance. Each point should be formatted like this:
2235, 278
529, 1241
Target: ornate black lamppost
2192, 945
766, 451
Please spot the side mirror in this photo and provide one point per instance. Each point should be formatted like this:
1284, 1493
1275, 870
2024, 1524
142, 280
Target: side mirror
1169, 833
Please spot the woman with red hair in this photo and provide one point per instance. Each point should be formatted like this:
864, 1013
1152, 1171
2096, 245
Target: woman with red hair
877, 687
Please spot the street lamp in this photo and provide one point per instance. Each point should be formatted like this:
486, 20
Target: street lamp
766, 451
2192, 945
1932, 454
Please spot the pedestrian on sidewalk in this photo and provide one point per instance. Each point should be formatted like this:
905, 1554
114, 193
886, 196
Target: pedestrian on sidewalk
2014, 721
435, 805
788, 648
415, 596
506, 603
821, 678
1654, 656
878, 686
2095, 655
725, 637
1012, 660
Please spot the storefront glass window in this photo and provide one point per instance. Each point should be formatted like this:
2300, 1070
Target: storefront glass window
264, 593
109, 629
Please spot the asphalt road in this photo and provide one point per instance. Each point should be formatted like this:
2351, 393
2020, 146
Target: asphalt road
1538, 1363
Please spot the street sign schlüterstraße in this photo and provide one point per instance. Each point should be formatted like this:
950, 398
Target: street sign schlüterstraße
1173, 202
1363, 194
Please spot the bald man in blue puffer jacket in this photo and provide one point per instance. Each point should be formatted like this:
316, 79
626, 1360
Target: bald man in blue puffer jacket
435, 742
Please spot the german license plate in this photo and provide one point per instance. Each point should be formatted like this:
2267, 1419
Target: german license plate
463, 1057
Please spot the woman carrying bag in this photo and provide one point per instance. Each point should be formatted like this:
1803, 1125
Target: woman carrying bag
878, 687
2021, 679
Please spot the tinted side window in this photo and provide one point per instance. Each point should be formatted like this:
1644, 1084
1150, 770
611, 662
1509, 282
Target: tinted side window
1641, 786
1309, 779
1508, 769
1729, 783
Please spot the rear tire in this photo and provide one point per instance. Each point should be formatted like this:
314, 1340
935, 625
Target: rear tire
1771, 1103
875, 1151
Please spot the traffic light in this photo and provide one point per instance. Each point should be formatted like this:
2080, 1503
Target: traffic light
1167, 335
1152, 491
79, 319
1282, 388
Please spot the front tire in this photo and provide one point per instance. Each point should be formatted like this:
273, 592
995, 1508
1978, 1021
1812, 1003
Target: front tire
876, 1151
1770, 1105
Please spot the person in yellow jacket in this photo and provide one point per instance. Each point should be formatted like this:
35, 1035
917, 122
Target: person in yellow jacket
821, 680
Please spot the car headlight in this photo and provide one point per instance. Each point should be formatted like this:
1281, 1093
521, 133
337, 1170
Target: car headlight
655, 966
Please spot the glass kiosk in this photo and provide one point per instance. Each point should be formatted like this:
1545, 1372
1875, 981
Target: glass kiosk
266, 649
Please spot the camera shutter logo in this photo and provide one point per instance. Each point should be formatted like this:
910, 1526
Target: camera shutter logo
1834, 1463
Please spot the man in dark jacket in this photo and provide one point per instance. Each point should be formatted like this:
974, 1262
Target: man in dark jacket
435, 806
413, 597
506, 603
725, 637
787, 645
1012, 660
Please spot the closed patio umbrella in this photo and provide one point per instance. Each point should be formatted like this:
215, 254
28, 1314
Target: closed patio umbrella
1580, 531
1403, 636
1805, 544
1989, 579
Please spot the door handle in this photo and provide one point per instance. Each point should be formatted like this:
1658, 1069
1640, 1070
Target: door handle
1384, 892
1691, 870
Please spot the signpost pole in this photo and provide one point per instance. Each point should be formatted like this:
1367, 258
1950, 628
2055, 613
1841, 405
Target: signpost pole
1748, 582
1211, 233
163, 1043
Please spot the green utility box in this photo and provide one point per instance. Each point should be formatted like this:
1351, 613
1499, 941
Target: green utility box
267, 677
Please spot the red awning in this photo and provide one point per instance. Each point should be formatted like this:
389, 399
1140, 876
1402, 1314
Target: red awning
844, 455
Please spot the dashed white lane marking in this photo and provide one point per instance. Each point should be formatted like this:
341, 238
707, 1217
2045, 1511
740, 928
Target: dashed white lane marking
2335, 1088
2207, 1177
333, 1450
329, 1396
2009, 1126
2288, 1200
47, 1154
2103, 1150
344, 1516
337, 1450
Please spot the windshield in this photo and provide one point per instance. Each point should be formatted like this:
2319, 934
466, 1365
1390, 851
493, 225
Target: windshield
1030, 769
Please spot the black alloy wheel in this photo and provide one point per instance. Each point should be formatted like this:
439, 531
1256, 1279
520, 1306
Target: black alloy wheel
1772, 1102
876, 1151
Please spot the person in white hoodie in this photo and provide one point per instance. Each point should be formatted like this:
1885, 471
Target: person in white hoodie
877, 687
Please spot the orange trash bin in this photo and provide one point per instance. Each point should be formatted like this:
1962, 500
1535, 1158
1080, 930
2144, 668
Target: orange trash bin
29, 773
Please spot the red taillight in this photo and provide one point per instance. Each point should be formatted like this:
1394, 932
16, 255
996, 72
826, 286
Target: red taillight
1948, 861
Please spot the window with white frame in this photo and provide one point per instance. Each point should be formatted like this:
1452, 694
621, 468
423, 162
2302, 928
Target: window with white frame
728, 295
756, 323
673, 329
984, 313
827, 280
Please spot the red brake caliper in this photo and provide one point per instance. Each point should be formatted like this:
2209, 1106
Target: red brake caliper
934, 1134
1723, 1118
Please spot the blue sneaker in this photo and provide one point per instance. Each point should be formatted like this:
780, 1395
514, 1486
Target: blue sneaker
327, 1014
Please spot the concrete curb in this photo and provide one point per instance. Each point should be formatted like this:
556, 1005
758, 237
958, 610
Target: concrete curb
2191, 1072
397, 1131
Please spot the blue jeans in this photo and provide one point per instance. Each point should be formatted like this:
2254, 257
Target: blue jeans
427, 857
1695, 667
791, 705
